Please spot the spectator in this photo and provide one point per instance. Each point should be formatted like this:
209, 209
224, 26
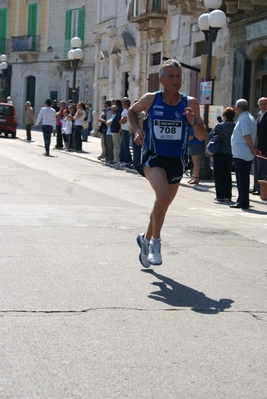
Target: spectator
48, 117
116, 131
29, 120
222, 160
243, 150
79, 118
195, 149
109, 141
260, 164
125, 154
59, 116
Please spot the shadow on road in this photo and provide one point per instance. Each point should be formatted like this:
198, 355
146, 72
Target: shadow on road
175, 294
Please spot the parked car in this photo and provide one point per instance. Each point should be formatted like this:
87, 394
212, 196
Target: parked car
8, 120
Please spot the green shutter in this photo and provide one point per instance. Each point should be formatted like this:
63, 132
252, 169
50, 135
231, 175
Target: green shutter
67, 33
81, 24
32, 19
32, 24
3, 20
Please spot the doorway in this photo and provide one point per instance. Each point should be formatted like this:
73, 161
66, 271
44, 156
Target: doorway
30, 91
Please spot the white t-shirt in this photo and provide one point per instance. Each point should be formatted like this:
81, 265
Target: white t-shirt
125, 126
79, 121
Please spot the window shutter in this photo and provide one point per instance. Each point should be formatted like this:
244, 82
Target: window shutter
32, 24
32, 19
67, 32
81, 24
3, 19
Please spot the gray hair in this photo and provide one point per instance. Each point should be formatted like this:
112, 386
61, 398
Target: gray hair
242, 104
171, 62
28, 102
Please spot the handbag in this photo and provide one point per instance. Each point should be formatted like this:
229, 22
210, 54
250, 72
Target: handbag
85, 125
213, 146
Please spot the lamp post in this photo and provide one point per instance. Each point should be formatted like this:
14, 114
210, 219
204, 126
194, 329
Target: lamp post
210, 23
75, 55
3, 65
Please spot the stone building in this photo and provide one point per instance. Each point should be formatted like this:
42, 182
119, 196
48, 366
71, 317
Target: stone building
36, 38
124, 42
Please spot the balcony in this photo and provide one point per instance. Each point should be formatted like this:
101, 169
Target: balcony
25, 44
148, 13
230, 7
3, 46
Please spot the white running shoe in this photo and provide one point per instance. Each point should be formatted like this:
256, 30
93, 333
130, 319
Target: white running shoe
144, 250
154, 255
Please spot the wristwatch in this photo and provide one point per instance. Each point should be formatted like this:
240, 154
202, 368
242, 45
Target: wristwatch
195, 122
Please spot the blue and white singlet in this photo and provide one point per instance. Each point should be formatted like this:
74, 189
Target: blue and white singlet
167, 127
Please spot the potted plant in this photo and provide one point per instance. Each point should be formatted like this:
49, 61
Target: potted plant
263, 185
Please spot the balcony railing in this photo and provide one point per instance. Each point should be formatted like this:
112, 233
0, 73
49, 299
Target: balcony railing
140, 10
3, 46
27, 43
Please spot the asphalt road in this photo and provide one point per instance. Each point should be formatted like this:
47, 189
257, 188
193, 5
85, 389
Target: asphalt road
80, 317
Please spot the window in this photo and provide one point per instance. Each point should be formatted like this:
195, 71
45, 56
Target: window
155, 58
74, 27
201, 48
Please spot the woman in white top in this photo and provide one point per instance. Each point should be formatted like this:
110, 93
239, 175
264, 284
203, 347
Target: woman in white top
79, 118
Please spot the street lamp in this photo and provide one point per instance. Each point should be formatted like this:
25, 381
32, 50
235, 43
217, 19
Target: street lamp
210, 23
75, 55
3, 65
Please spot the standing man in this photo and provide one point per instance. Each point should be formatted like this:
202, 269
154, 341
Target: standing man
260, 164
125, 154
116, 131
170, 113
243, 149
29, 120
48, 117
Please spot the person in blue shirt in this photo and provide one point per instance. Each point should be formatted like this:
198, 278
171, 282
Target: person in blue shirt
170, 113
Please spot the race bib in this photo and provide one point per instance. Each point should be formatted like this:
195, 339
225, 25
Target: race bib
168, 130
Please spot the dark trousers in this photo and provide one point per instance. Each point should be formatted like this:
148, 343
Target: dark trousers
47, 131
242, 171
137, 150
109, 148
78, 137
59, 137
222, 165
28, 132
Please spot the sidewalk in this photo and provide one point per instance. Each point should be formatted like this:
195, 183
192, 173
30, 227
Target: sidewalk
92, 149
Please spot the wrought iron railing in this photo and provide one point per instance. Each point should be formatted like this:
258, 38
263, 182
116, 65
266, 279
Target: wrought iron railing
27, 43
140, 8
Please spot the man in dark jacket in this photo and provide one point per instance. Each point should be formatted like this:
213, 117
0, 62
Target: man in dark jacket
260, 164
116, 131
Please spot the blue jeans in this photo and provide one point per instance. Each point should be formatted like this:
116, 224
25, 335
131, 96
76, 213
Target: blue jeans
47, 131
125, 155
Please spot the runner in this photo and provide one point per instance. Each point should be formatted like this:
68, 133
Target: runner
170, 113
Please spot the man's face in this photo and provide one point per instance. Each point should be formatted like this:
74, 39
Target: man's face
172, 78
263, 104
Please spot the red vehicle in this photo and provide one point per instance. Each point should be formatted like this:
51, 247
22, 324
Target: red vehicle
8, 120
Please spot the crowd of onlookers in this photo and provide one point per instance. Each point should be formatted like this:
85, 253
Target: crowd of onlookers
71, 124
117, 136
68, 121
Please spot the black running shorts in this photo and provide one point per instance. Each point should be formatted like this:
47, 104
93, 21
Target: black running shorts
174, 167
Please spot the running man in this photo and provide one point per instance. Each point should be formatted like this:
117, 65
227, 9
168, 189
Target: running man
170, 113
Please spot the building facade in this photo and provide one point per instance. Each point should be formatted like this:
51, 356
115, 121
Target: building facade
124, 42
